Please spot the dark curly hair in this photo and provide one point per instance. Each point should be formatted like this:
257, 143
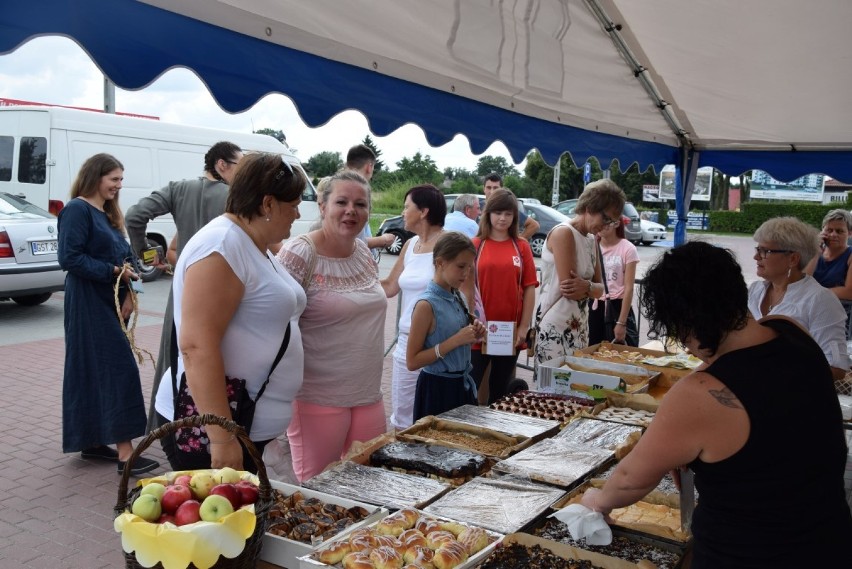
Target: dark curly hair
695, 290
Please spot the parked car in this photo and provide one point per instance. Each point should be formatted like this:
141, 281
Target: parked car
547, 218
529, 200
632, 229
29, 264
652, 231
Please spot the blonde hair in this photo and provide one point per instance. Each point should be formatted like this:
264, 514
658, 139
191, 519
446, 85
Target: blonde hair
790, 233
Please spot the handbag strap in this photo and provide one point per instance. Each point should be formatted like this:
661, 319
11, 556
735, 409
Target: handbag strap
603, 271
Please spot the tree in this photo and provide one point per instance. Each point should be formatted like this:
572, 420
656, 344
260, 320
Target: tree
488, 164
324, 164
276, 134
419, 168
538, 182
631, 180
368, 142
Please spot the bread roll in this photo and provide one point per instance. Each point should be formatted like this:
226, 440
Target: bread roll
412, 537
426, 525
362, 540
357, 560
449, 555
410, 516
335, 552
393, 524
454, 528
436, 538
385, 557
390, 541
474, 539
418, 555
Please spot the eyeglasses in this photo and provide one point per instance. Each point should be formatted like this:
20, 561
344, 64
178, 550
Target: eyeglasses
610, 221
762, 252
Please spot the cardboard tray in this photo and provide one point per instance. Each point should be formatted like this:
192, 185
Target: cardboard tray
412, 434
285, 552
668, 375
563, 375
308, 561
568, 552
512, 424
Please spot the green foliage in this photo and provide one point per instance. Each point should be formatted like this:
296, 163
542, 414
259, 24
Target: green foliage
324, 164
632, 180
497, 164
391, 196
420, 168
753, 214
368, 142
276, 134
467, 185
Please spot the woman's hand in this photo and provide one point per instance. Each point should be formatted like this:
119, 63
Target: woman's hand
478, 328
470, 334
589, 500
127, 273
620, 331
127, 306
575, 288
224, 454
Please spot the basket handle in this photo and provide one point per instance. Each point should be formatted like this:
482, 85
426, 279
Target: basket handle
265, 489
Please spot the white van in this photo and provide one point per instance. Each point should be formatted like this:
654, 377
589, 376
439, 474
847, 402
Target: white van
42, 149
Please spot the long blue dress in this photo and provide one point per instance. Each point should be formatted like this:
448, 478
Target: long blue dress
102, 400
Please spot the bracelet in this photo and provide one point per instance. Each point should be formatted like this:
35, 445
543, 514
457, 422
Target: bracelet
233, 436
438, 351
621, 323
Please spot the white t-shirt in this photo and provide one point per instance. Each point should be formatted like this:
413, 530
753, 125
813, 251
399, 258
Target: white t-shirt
271, 299
815, 308
457, 221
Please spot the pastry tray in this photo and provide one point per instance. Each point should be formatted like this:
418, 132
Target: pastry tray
502, 421
567, 552
309, 561
600, 433
557, 462
378, 486
509, 444
503, 505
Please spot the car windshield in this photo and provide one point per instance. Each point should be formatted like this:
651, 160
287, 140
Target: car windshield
629, 210
12, 207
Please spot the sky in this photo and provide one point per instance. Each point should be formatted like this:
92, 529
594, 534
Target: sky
57, 71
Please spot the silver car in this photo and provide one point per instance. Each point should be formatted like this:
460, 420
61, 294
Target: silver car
29, 267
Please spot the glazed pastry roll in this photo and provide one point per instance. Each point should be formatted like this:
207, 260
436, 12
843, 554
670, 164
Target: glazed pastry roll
385, 557
449, 555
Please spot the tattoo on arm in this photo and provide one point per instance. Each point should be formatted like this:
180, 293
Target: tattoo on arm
726, 397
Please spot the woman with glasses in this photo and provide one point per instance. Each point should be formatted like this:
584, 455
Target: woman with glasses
102, 401
784, 246
237, 318
570, 272
831, 267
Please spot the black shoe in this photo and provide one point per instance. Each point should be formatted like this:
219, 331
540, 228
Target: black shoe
140, 466
101, 452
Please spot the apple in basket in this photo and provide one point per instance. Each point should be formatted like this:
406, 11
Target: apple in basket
166, 518
215, 507
182, 480
248, 491
173, 497
147, 507
201, 484
188, 513
154, 488
229, 491
226, 475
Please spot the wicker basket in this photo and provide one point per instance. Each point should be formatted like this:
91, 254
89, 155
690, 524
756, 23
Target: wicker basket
248, 558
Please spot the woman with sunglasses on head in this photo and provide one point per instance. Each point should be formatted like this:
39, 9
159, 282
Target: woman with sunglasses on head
571, 276
237, 316
784, 246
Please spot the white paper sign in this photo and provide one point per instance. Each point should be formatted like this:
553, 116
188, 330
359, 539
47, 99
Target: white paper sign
499, 338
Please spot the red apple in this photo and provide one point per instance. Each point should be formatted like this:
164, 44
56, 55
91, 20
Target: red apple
173, 497
248, 492
182, 480
166, 518
187, 513
230, 492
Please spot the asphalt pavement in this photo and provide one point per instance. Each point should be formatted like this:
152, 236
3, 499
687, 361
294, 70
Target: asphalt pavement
56, 510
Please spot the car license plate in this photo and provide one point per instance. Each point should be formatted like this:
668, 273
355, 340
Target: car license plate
45, 247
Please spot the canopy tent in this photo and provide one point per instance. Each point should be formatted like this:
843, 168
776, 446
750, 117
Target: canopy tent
723, 83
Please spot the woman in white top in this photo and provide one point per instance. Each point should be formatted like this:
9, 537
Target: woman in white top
784, 247
233, 305
340, 401
570, 273
423, 213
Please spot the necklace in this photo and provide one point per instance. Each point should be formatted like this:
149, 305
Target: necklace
777, 301
422, 242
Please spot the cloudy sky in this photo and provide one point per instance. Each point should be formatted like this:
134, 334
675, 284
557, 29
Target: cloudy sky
56, 70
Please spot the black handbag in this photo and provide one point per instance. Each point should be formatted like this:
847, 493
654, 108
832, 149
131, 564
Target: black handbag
194, 440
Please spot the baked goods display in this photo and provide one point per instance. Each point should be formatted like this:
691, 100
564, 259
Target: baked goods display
660, 520
396, 541
376, 485
627, 415
452, 465
631, 357
432, 430
666, 492
622, 547
556, 461
519, 556
617, 437
501, 421
503, 505
549, 406
309, 520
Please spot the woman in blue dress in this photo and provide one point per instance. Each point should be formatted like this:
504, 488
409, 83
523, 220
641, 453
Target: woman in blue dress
102, 401
831, 267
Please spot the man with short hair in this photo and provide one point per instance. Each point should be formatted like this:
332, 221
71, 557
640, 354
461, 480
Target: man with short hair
362, 159
464, 216
527, 226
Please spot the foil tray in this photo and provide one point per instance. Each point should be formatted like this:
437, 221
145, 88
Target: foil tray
502, 421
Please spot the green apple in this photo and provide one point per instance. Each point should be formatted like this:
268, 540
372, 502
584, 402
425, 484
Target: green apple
214, 508
147, 507
154, 488
226, 475
201, 483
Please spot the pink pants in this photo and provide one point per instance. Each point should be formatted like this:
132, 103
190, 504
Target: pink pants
320, 435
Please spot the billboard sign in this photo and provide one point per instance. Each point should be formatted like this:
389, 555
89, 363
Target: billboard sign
701, 191
807, 188
651, 193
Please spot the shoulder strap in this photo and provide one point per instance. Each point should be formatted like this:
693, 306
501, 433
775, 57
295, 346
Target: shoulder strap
603, 270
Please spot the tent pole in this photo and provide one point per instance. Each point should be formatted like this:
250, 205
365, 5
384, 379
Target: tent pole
685, 172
